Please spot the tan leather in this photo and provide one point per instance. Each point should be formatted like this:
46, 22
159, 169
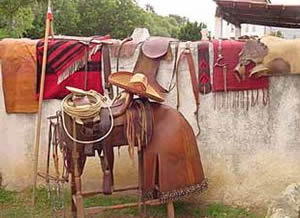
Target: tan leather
107, 70
156, 47
153, 50
171, 160
18, 60
136, 84
272, 56
121, 104
149, 67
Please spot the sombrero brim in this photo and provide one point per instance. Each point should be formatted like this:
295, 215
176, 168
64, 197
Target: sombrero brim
122, 80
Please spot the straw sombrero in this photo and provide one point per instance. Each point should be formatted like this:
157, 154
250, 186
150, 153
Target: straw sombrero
135, 83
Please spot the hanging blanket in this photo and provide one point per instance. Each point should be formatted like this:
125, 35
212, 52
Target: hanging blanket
230, 50
226, 57
66, 66
204, 55
18, 66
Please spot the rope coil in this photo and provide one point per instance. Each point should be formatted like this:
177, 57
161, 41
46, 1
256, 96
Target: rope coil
86, 111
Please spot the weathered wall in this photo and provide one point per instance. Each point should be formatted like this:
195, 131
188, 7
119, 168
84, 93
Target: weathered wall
248, 156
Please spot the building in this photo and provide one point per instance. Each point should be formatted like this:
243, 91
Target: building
255, 18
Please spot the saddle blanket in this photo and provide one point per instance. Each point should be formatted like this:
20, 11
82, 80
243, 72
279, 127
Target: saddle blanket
227, 81
66, 60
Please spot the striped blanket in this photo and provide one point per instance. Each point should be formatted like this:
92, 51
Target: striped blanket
67, 63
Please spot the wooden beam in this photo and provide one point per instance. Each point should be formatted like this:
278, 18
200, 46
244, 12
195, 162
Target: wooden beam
92, 193
94, 210
237, 12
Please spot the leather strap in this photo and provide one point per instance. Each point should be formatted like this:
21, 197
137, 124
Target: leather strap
186, 53
124, 41
107, 70
223, 65
171, 85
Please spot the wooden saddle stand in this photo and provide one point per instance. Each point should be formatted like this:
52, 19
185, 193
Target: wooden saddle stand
169, 164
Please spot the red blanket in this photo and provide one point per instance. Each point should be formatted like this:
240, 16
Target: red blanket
230, 50
66, 67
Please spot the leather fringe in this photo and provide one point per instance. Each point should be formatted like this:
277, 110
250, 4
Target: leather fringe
241, 99
139, 125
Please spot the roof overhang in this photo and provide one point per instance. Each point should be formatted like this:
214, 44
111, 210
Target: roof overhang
238, 12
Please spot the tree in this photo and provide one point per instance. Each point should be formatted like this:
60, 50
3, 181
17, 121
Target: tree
180, 20
65, 18
115, 17
16, 17
150, 8
191, 31
277, 34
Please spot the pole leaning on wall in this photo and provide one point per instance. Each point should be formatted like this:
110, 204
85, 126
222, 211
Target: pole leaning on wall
41, 95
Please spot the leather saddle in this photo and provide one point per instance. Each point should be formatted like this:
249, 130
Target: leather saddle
91, 129
153, 50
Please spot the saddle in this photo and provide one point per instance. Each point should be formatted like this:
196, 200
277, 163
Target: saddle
129, 119
152, 51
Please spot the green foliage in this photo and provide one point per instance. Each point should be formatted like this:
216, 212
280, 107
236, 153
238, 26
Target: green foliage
180, 20
66, 18
3, 34
191, 31
7, 196
19, 204
16, 17
218, 210
162, 25
117, 18
277, 34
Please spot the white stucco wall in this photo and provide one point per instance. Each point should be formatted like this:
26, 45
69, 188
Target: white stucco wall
248, 156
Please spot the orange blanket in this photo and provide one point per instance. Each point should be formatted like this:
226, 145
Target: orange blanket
18, 61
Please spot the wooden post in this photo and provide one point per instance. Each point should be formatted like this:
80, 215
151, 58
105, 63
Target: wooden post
39, 115
171, 211
238, 31
218, 27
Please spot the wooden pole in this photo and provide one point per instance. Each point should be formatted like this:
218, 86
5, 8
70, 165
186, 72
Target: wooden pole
171, 211
39, 115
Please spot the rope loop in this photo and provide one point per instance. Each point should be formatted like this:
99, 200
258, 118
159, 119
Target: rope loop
85, 111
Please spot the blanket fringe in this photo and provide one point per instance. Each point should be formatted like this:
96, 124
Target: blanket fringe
241, 99
77, 65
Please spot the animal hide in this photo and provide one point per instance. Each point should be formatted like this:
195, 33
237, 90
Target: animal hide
18, 62
228, 90
271, 56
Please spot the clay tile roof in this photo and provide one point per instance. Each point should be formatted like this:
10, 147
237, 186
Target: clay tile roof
258, 12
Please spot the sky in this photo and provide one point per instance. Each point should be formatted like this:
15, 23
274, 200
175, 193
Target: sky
195, 10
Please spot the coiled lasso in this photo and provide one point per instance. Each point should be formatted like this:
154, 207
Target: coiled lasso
85, 111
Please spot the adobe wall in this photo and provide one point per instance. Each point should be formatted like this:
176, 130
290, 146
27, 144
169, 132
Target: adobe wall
249, 157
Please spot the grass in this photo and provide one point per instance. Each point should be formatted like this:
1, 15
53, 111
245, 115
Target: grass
19, 204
